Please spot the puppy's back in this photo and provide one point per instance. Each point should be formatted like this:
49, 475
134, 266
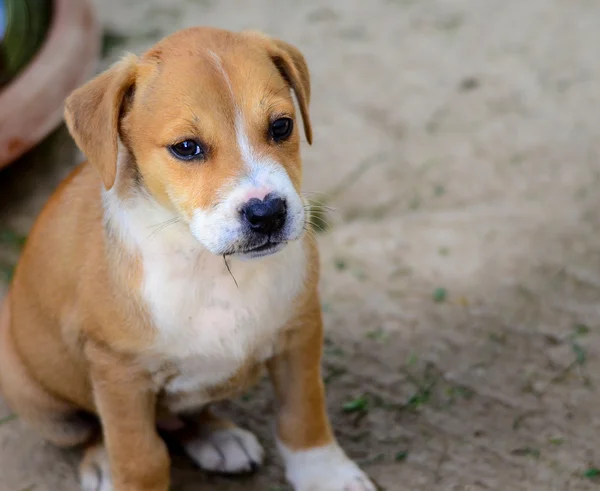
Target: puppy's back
50, 285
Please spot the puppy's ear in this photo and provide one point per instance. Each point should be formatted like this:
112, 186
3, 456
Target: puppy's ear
93, 111
291, 64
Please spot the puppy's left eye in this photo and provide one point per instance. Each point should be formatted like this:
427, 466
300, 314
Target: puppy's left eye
187, 150
281, 129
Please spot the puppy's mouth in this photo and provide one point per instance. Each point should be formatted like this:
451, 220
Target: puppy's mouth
256, 251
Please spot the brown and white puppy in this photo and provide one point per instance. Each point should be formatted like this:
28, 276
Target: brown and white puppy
163, 274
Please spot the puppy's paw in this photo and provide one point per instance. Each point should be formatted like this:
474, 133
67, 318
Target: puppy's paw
324, 469
94, 471
226, 450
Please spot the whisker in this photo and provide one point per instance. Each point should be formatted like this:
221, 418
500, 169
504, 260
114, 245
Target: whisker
317, 202
310, 207
266, 86
161, 226
310, 233
285, 87
312, 227
315, 220
162, 223
196, 118
317, 227
269, 98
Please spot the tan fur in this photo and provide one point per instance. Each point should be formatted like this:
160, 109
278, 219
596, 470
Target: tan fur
302, 420
75, 327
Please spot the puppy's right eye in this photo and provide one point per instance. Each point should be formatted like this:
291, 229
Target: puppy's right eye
187, 150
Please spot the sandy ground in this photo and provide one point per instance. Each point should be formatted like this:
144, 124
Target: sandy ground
458, 142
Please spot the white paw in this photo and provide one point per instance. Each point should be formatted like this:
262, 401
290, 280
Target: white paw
324, 469
94, 471
229, 450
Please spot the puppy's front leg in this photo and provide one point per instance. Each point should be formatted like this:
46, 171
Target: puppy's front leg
313, 459
126, 403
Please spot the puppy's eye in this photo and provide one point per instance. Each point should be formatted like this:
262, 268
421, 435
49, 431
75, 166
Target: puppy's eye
281, 129
187, 150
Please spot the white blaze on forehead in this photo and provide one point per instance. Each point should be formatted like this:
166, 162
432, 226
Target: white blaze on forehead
219, 64
249, 156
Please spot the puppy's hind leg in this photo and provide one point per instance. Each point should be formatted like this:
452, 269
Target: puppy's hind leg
56, 420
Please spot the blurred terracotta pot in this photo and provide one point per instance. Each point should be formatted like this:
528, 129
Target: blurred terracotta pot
31, 105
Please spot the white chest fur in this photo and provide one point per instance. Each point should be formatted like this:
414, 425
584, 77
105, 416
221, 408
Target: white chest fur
207, 326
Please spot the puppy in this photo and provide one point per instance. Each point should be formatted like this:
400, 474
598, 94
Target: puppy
166, 271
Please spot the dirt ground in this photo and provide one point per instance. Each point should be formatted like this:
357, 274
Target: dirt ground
458, 144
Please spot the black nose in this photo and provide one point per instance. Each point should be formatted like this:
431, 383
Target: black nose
265, 216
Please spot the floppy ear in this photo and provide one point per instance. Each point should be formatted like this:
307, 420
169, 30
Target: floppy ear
92, 113
291, 64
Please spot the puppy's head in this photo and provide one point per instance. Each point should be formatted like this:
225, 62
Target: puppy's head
204, 123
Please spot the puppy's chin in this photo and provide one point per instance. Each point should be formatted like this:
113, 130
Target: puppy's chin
259, 252
243, 248
253, 246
